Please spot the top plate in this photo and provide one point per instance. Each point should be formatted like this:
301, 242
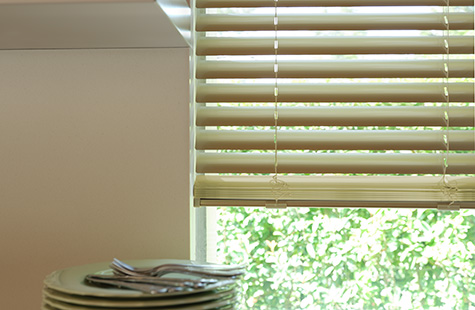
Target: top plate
71, 280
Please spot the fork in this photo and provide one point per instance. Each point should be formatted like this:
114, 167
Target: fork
228, 271
165, 282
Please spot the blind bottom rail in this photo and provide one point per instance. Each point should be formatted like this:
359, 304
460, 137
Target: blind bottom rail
337, 191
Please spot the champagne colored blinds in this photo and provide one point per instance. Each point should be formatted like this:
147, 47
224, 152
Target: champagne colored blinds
370, 105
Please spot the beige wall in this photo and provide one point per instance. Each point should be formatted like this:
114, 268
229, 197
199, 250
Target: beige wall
93, 161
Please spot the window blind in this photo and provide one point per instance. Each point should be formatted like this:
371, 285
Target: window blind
375, 103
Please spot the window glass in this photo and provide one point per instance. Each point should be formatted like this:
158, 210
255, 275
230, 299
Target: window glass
323, 258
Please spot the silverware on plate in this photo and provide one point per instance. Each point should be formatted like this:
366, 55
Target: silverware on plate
153, 281
205, 270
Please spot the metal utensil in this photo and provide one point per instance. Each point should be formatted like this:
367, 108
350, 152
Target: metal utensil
213, 271
142, 287
176, 282
154, 285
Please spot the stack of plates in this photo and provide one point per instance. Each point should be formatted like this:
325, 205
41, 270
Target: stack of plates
67, 290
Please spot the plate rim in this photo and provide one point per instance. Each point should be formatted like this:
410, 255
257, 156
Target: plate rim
126, 303
215, 304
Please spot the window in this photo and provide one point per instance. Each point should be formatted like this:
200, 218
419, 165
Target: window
350, 258
373, 108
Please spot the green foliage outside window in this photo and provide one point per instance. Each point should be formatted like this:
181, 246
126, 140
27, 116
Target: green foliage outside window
323, 258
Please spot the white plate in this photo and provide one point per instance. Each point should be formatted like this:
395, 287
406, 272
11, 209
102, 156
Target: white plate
71, 281
216, 304
137, 303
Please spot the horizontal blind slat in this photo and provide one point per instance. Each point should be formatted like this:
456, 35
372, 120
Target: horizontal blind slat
335, 116
337, 191
345, 92
380, 163
334, 45
310, 3
334, 140
320, 202
333, 68
248, 22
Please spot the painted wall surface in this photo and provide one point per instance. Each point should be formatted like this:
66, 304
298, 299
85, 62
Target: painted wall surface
94, 152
